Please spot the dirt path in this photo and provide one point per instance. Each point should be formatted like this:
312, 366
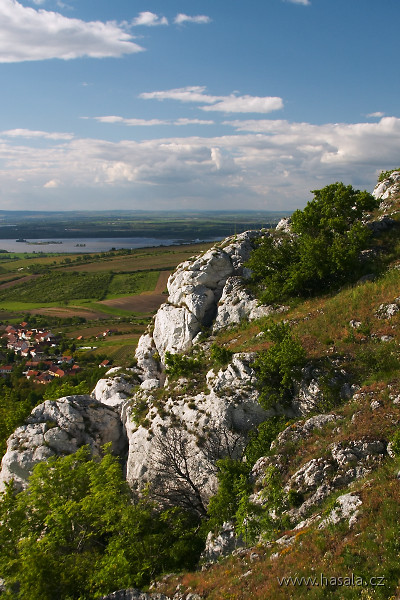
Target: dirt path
9, 284
58, 311
142, 303
162, 282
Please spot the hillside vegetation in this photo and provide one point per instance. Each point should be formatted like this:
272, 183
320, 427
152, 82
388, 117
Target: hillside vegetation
308, 501
352, 329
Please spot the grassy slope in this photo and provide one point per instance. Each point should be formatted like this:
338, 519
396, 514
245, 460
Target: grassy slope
371, 548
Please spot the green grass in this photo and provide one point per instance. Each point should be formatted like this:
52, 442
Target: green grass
68, 286
129, 284
103, 308
59, 287
15, 306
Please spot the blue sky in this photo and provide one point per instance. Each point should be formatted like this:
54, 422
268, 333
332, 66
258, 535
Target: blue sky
194, 103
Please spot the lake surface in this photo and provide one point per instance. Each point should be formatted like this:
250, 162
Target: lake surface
80, 245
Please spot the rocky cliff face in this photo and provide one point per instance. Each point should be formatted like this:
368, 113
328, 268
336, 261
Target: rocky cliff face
56, 428
205, 292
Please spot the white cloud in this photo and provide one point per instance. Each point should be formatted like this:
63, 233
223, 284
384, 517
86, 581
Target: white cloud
150, 122
271, 164
53, 183
131, 122
246, 104
182, 18
183, 121
149, 19
28, 34
303, 2
194, 93
378, 115
232, 103
29, 133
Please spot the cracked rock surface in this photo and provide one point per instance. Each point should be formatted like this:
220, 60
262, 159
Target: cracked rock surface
59, 427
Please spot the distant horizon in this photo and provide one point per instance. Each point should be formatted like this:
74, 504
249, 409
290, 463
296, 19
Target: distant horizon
166, 211
195, 106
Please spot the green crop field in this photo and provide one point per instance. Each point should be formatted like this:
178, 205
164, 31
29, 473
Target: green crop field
128, 284
96, 287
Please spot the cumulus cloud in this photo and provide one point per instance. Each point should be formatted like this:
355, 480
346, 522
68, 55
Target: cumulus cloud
271, 164
151, 122
246, 104
53, 183
27, 34
149, 19
228, 104
29, 133
182, 18
378, 115
303, 2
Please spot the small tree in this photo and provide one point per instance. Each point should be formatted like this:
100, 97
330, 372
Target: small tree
77, 533
323, 250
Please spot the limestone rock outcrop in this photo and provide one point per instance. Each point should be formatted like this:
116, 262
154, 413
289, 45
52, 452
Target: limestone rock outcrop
195, 290
208, 425
388, 187
222, 543
58, 427
114, 389
238, 304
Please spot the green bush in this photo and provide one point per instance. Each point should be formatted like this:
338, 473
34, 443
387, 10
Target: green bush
221, 356
323, 251
232, 478
279, 367
295, 498
396, 443
385, 174
180, 364
76, 533
261, 439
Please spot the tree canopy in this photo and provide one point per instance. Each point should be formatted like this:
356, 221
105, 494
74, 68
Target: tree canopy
322, 250
76, 533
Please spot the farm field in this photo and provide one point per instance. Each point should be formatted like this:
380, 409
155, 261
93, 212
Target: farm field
116, 290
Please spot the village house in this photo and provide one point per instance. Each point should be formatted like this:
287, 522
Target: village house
6, 370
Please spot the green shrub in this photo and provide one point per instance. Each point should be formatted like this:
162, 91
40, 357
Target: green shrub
233, 482
396, 443
280, 366
324, 250
77, 533
385, 174
221, 356
260, 440
180, 364
295, 498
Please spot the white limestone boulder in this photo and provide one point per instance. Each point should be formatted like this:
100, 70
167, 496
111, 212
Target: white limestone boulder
174, 330
145, 355
284, 225
113, 390
213, 421
238, 304
388, 187
194, 289
56, 428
